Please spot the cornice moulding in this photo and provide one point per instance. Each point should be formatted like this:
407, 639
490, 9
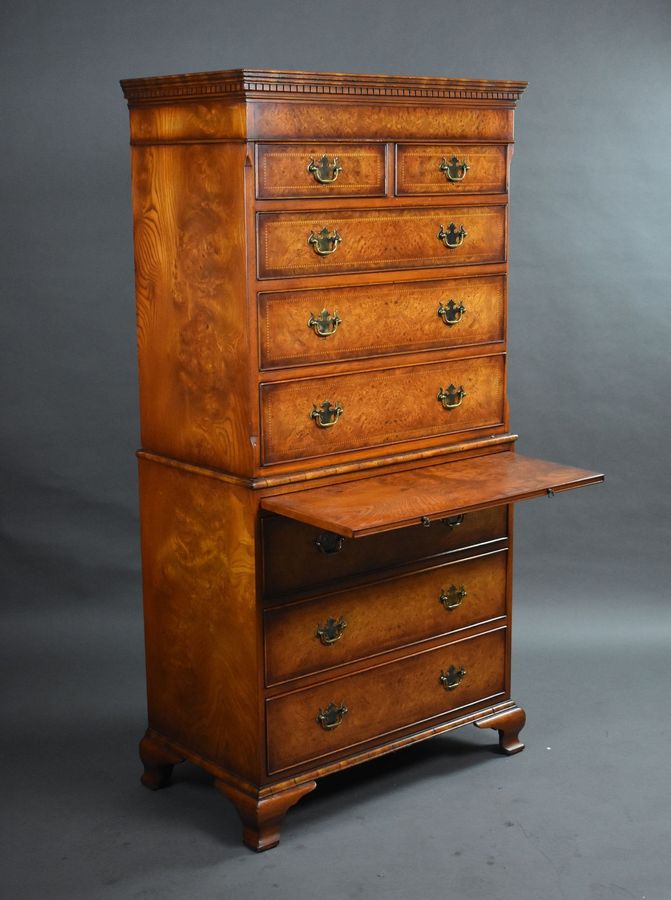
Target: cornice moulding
242, 84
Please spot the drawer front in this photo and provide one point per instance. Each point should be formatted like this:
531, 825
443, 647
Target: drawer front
385, 699
294, 562
301, 327
320, 170
272, 121
321, 416
450, 169
349, 625
377, 239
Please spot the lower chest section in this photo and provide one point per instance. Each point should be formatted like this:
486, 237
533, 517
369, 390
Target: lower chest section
365, 642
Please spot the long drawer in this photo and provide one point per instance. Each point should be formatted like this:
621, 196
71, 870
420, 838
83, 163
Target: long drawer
320, 170
315, 417
331, 241
298, 558
314, 326
310, 724
338, 628
450, 169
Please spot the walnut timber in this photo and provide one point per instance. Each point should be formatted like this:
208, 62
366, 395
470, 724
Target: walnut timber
327, 473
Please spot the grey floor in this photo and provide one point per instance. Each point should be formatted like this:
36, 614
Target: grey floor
583, 814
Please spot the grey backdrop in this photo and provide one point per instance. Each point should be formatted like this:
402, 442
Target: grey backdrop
589, 384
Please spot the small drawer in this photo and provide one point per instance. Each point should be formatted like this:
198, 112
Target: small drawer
302, 327
358, 623
316, 417
331, 241
320, 170
307, 725
298, 557
451, 169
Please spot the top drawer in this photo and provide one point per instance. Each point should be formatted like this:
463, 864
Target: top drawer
450, 169
320, 170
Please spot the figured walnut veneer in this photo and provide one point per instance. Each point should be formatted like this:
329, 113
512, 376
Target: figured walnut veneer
327, 474
396, 611
391, 501
378, 240
379, 320
282, 170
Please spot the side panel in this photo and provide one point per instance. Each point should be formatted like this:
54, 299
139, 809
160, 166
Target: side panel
202, 633
193, 338
188, 121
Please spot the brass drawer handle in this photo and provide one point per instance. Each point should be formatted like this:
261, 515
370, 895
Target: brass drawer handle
329, 543
453, 521
332, 631
325, 172
451, 314
324, 243
324, 324
450, 521
332, 716
452, 678
327, 415
454, 170
453, 597
452, 238
452, 397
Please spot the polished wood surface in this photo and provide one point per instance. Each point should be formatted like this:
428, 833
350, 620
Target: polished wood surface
302, 121
233, 84
383, 699
249, 103
388, 614
381, 407
282, 170
293, 561
378, 239
262, 817
379, 320
257, 615
192, 328
418, 169
201, 630
158, 759
508, 723
393, 501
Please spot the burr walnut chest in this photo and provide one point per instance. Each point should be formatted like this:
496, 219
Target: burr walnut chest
327, 473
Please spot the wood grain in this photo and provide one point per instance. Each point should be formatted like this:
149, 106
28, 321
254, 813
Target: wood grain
403, 120
418, 169
383, 699
389, 614
324, 87
292, 561
377, 239
201, 622
380, 319
381, 407
262, 817
508, 723
229, 374
192, 327
386, 502
281, 170
187, 122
